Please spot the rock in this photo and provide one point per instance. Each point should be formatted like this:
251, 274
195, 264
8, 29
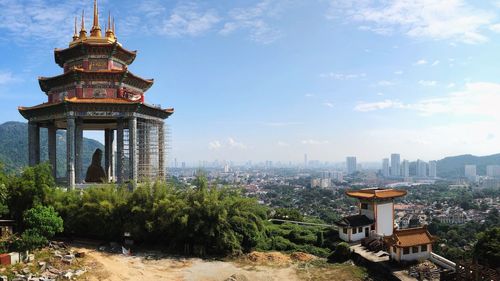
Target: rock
57, 254
237, 277
42, 265
4, 278
79, 272
54, 270
80, 254
68, 258
30, 258
68, 275
26, 270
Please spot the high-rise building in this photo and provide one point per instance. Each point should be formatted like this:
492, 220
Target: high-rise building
432, 169
305, 159
421, 169
405, 168
493, 171
385, 167
395, 165
470, 172
351, 165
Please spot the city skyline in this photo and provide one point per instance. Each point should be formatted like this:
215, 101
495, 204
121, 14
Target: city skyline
250, 81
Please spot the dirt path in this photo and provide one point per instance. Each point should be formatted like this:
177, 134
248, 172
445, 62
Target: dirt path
113, 267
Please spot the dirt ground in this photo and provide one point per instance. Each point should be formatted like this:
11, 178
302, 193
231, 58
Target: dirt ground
115, 267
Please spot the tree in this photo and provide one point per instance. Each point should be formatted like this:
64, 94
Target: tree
42, 223
487, 248
341, 253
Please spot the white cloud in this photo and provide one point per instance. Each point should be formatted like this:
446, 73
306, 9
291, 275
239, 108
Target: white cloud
436, 62
255, 20
342, 76
445, 19
427, 83
495, 27
385, 83
328, 104
309, 95
235, 144
477, 99
7, 77
450, 85
421, 62
283, 144
189, 20
398, 72
214, 145
314, 142
372, 106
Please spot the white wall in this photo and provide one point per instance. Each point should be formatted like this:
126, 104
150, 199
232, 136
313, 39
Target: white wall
354, 237
369, 212
384, 219
415, 256
342, 235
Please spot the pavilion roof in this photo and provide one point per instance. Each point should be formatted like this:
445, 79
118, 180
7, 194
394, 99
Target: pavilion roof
98, 46
376, 193
410, 237
78, 74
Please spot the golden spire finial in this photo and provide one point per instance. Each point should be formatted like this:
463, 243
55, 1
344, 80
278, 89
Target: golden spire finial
109, 30
96, 29
75, 34
83, 32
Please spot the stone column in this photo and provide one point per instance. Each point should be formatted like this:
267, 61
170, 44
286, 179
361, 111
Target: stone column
108, 153
79, 177
119, 152
70, 151
132, 147
33, 143
161, 151
52, 141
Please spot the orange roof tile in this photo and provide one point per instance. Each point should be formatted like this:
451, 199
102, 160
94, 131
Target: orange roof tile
411, 237
374, 193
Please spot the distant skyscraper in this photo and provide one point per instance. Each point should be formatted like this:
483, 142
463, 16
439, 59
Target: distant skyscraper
351, 165
493, 171
395, 165
385, 167
305, 159
470, 172
432, 169
405, 168
421, 169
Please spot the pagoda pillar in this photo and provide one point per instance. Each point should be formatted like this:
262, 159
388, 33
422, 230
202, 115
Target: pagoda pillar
161, 149
108, 153
79, 151
119, 152
52, 140
33, 143
70, 151
132, 147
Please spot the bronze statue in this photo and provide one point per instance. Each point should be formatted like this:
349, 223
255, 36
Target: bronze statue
95, 172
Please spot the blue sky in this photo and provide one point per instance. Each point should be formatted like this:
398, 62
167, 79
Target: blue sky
272, 80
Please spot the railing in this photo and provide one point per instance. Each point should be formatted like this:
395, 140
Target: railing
304, 223
439, 260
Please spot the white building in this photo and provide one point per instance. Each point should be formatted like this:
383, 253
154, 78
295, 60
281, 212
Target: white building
421, 169
433, 169
470, 172
351, 165
493, 171
405, 168
410, 244
385, 167
395, 165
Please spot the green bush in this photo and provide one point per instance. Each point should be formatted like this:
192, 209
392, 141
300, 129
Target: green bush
341, 253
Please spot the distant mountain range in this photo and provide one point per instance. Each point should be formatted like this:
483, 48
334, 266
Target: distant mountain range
14, 147
453, 167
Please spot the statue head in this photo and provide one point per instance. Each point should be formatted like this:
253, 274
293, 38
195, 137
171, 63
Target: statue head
97, 157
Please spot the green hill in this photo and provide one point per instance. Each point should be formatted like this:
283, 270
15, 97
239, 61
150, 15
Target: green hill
14, 147
453, 167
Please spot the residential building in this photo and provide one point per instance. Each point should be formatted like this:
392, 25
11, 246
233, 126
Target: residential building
432, 169
405, 168
421, 169
351, 165
470, 172
385, 167
493, 171
395, 165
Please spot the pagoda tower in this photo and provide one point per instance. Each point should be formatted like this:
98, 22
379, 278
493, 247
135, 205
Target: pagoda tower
98, 92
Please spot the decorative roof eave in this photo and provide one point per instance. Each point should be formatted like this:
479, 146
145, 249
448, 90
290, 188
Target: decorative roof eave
76, 74
83, 47
395, 240
376, 193
75, 104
